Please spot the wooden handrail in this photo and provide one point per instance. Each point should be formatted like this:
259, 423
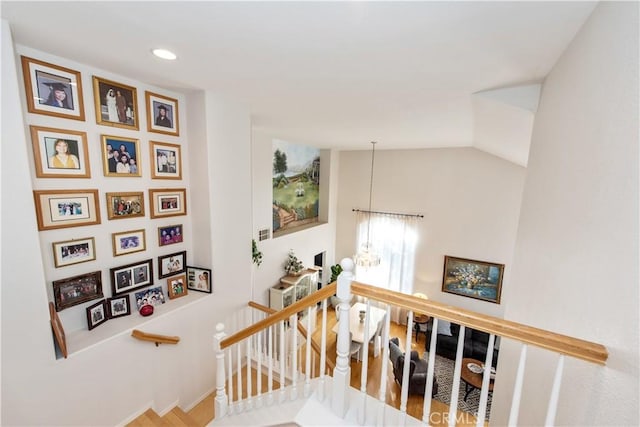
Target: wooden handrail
283, 314
581, 349
302, 329
158, 339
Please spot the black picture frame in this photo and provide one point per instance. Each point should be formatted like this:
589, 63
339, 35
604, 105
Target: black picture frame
199, 279
130, 277
97, 314
119, 306
77, 289
172, 264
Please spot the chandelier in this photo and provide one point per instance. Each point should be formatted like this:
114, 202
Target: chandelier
367, 256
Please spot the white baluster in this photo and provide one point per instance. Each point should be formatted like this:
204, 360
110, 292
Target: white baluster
383, 370
307, 366
239, 403
555, 393
221, 400
259, 370
517, 388
453, 406
249, 401
404, 393
282, 395
294, 354
323, 351
486, 377
270, 358
426, 409
230, 379
364, 353
342, 371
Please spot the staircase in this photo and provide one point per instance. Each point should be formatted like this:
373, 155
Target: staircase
199, 416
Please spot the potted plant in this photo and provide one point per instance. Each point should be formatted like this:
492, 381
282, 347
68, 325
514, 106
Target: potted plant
255, 253
293, 266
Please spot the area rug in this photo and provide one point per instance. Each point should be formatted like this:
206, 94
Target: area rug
444, 375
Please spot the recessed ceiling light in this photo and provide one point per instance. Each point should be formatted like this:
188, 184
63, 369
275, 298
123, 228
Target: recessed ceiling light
164, 54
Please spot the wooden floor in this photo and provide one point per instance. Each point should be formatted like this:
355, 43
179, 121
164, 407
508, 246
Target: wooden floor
202, 413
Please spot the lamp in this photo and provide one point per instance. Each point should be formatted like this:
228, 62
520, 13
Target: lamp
421, 296
366, 256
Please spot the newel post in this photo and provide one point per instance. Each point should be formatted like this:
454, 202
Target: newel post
221, 401
342, 371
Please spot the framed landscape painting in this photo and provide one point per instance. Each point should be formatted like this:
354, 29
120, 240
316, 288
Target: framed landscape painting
52, 90
116, 104
60, 153
473, 279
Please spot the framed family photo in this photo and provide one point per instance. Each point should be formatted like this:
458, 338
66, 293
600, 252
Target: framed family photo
162, 114
128, 242
96, 314
177, 287
120, 156
66, 208
129, 277
77, 289
60, 153
152, 296
171, 264
58, 330
118, 306
169, 235
125, 205
167, 202
74, 251
474, 279
116, 104
52, 90
166, 159
199, 279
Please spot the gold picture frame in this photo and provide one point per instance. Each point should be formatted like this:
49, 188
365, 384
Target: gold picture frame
116, 104
167, 202
52, 90
74, 251
114, 149
166, 160
128, 242
125, 205
66, 208
60, 153
162, 114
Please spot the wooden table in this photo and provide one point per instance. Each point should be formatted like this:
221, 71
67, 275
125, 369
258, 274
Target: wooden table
472, 380
420, 319
358, 333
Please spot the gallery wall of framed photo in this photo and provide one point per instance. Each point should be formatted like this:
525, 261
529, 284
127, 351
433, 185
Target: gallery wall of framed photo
110, 178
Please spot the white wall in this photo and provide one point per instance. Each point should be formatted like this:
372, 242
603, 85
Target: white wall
576, 259
470, 201
114, 379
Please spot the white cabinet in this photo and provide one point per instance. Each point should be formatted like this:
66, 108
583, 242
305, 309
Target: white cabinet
292, 289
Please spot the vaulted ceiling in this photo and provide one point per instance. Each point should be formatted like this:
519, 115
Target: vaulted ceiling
332, 74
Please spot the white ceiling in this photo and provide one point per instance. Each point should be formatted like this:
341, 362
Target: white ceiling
334, 74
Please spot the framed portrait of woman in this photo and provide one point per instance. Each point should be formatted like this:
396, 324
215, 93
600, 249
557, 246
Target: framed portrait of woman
52, 90
116, 104
60, 153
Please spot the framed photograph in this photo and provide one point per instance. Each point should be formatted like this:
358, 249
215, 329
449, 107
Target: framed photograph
60, 153
168, 202
162, 114
97, 314
130, 277
199, 279
118, 306
116, 104
169, 265
177, 286
74, 251
66, 208
52, 90
58, 330
169, 235
152, 296
77, 289
125, 205
166, 159
473, 279
120, 156
128, 242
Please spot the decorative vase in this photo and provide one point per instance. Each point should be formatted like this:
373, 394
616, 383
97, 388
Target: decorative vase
362, 314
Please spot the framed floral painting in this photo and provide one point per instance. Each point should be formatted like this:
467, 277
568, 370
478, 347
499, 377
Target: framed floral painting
473, 279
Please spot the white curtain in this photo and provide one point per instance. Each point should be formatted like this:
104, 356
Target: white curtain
394, 239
